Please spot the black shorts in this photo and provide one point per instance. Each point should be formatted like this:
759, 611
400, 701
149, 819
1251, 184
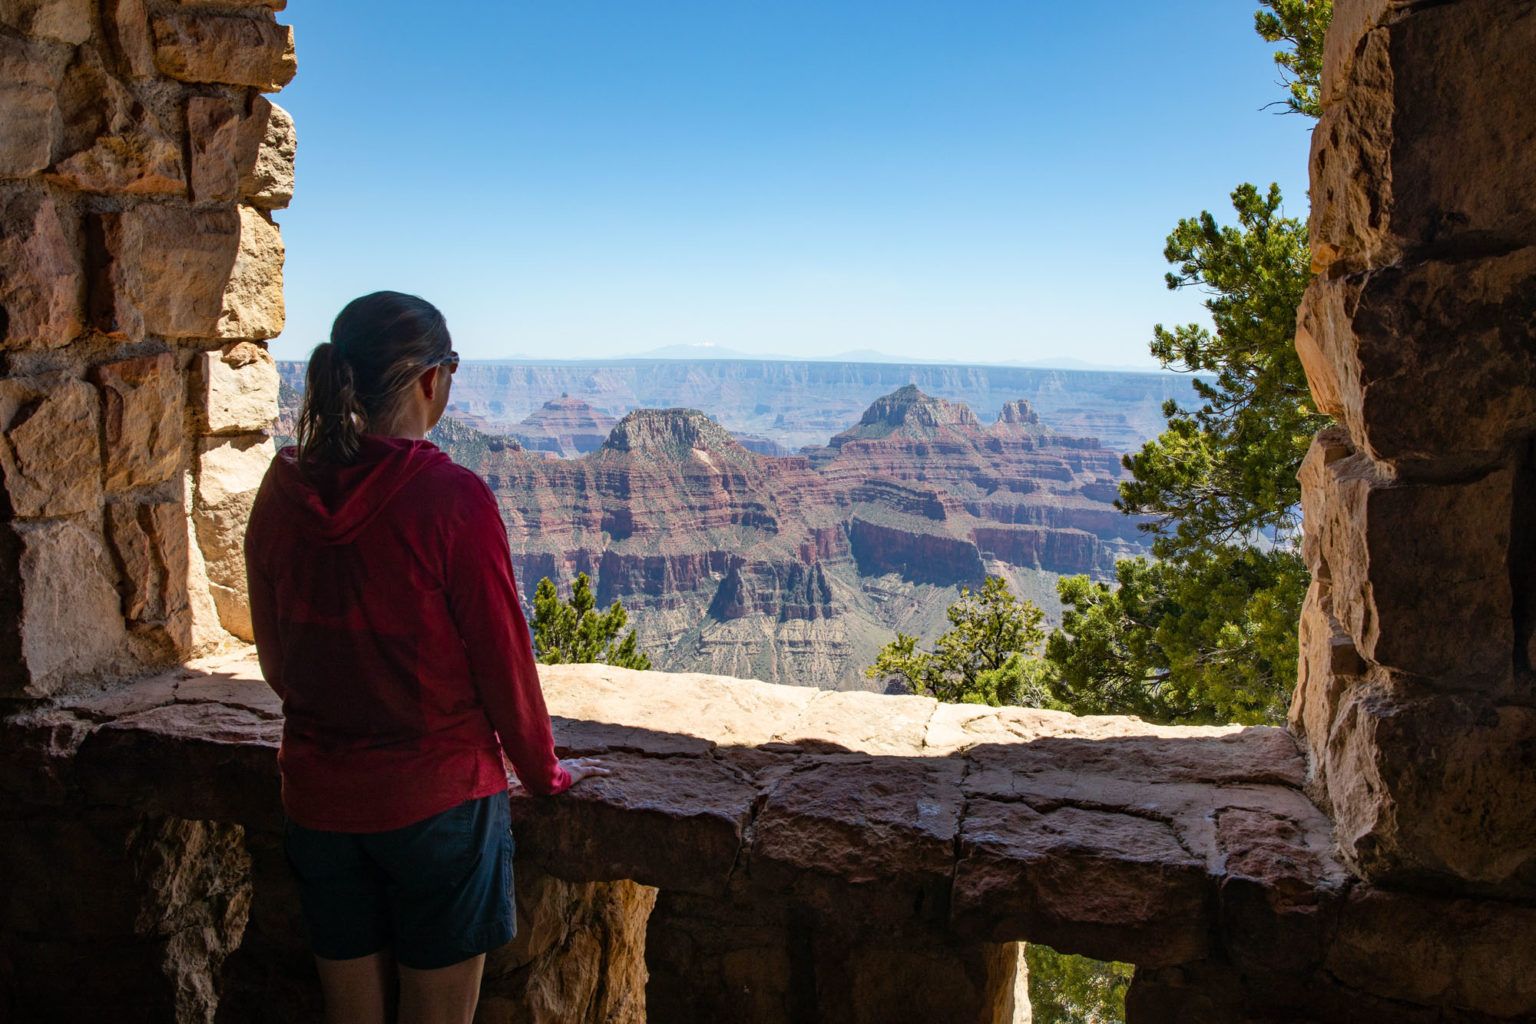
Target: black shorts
435, 892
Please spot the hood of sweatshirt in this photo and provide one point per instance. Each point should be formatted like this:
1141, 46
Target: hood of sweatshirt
333, 504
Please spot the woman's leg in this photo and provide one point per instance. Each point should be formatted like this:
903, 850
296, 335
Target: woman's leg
445, 995
358, 991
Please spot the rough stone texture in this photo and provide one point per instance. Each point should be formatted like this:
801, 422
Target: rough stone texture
149, 545
63, 21
142, 421
29, 108
578, 958
203, 47
50, 452
112, 142
214, 126
236, 389
43, 289
68, 618
1416, 681
1399, 168
253, 299
266, 148
1190, 851
1376, 347
229, 472
163, 270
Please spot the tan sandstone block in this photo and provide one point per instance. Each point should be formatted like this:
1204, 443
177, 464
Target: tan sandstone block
29, 107
69, 622
64, 21
213, 131
267, 145
162, 270
49, 450
235, 50
112, 142
1440, 159
230, 471
142, 422
237, 389
1435, 786
43, 289
1393, 338
1419, 573
253, 299
149, 543
128, 25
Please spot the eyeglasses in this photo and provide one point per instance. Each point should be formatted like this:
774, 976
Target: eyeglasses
451, 360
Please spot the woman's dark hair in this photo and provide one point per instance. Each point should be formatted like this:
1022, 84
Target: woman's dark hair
380, 344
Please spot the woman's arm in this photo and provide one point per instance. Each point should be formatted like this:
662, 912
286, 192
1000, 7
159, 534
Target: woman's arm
483, 598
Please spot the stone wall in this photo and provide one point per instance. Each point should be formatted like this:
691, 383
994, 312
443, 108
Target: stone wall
139, 168
1417, 697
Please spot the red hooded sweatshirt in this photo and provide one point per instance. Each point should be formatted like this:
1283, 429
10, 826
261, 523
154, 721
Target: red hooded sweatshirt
388, 621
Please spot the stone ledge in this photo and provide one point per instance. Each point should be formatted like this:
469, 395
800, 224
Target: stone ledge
1162, 846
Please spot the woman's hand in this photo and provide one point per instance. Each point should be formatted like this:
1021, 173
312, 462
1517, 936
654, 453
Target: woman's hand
584, 768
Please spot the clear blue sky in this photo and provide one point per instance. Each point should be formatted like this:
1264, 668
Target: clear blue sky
976, 180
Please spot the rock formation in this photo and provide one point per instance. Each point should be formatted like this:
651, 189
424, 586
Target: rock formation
803, 403
797, 569
565, 425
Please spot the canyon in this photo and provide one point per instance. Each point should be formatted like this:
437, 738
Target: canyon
796, 569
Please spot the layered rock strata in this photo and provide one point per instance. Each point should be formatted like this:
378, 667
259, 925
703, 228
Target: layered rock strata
139, 165
1417, 698
799, 568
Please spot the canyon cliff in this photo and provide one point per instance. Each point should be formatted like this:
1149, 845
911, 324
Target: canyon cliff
797, 569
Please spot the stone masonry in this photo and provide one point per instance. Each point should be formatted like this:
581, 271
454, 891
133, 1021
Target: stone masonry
1417, 698
140, 164
766, 853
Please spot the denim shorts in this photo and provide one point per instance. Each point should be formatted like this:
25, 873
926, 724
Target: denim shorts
435, 892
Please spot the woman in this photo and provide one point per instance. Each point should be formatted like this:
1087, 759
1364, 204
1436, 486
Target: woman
387, 619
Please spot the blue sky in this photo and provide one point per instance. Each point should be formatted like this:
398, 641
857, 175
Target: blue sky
969, 180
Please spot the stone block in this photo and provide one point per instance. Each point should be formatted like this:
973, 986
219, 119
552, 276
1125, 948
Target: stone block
808, 835
43, 290
1113, 886
1418, 572
1442, 159
149, 543
230, 471
29, 108
253, 299
675, 823
214, 126
267, 146
50, 452
161, 270
63, 21
112, 142
1328, 665
142, 419
1380, 349
1459, 955
1433, 789
59, 578
232, 49
237, 389
128, 26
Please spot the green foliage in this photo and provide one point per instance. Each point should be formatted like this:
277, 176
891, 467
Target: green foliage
1226, 471
1301, 25
1066, 989
574, 632
1208, 632
1206, 638
988, 656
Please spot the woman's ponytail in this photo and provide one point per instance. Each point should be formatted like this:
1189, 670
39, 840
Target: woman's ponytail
331, 419
380, 345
